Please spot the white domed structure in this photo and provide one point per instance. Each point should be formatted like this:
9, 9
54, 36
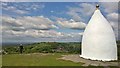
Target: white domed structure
98, 42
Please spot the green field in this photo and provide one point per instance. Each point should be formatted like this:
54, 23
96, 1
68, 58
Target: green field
12, 57
0, 60
36, 60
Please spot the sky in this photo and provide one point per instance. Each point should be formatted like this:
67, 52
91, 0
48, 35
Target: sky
60, 0
51, 21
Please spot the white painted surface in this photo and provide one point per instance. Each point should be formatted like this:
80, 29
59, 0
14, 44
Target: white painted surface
98, 42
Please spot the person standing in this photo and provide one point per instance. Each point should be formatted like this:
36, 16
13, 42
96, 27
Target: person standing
21, 49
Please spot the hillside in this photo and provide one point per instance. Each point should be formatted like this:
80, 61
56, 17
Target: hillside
49, 47
45, 47
38, 54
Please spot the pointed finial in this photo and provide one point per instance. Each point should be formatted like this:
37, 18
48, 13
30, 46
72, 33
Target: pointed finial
97, 6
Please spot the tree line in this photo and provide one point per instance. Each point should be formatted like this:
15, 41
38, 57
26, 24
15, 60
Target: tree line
45, 47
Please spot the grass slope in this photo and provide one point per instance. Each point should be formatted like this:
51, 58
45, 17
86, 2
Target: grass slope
36, 60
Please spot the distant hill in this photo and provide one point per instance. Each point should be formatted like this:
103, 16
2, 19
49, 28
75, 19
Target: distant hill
45, 47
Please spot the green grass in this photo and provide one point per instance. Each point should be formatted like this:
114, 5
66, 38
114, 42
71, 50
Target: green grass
0, 60
36, 60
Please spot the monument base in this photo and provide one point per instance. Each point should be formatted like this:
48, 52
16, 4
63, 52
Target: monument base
92, 58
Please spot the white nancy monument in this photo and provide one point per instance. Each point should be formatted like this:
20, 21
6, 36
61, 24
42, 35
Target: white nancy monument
98, 42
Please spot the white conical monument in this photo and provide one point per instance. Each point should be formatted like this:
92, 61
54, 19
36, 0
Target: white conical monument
98, 42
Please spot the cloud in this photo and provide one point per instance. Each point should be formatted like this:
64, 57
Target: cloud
27, 28
22, 8
113, 16
82, 10
7, 20
31, 29
28, 22
113, 19
59, 1
37, 6
73, 12
13, 9
39, 35
26, 25
42, 33
109, 0
72, 24
110, 7
31, 6
16, 0
87, 8
52, 11
58, 18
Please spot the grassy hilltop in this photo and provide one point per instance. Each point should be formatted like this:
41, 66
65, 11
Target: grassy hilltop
42, 54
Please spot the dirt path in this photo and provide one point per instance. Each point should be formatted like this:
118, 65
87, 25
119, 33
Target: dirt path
76, 58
